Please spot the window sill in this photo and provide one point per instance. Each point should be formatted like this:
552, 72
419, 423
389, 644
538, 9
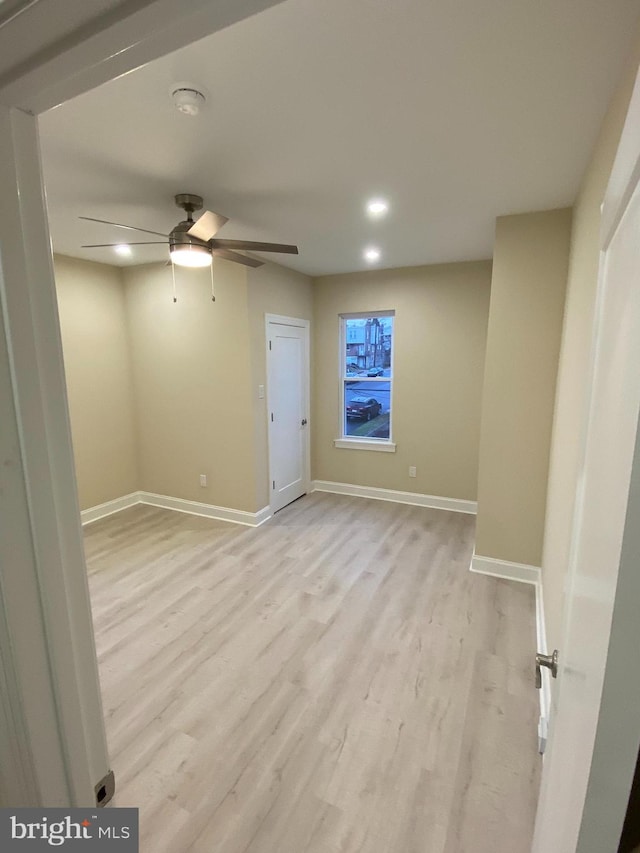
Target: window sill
364, 444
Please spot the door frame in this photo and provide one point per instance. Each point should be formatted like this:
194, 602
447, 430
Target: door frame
297, 322
618, 728
50, 704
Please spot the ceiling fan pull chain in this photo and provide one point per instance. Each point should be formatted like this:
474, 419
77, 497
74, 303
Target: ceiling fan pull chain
213, 296
173, 271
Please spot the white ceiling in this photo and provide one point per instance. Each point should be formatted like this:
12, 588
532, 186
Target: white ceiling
455, 110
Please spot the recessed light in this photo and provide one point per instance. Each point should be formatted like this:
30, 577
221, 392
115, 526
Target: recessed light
377, 207
372, 254
123, 250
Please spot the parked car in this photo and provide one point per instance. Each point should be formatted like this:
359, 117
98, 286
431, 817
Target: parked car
375, 371
352, 370
363, 407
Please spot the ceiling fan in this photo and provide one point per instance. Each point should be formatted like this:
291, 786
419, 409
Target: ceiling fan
193, 243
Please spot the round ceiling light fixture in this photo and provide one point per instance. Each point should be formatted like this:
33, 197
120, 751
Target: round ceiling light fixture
372, 254
187, 99
123, 249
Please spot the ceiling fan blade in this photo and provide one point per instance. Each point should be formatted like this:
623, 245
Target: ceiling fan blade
207, 225
239, 259
120, 225
252, 246
105, 245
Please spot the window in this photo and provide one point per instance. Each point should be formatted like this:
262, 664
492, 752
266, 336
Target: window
366, 367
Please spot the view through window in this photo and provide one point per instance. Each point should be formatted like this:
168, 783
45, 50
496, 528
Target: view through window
367, 365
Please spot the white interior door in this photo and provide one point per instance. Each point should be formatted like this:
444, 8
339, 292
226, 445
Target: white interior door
594, 734
288, 409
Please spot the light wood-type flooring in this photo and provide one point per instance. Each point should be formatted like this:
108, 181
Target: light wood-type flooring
335, 680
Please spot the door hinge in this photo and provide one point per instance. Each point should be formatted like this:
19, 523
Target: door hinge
274, 484
271, 417
269, 344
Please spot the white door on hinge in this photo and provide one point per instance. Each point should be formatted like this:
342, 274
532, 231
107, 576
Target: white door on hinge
288, 409
595, 720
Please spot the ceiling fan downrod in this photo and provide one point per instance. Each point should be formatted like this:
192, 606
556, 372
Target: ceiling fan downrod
189, 202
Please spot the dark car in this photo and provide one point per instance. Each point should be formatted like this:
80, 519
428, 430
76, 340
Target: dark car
375, 371
363, 407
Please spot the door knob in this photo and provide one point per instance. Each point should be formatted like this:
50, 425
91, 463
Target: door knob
304, 422
550, 661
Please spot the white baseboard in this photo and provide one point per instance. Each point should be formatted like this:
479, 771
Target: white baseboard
109, 507
221, 513
412, 498
504, 569
236, 516
524, 573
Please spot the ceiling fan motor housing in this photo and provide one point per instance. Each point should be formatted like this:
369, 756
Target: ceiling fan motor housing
180, 237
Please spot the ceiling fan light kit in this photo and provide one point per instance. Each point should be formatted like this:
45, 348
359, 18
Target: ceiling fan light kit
191, 256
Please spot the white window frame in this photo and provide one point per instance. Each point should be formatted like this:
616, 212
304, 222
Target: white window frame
344, 442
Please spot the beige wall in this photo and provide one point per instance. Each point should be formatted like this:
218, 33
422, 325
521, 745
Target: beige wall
530, 262
574, 358
440, 335
272, 290
161, 392
99, 381
191, 366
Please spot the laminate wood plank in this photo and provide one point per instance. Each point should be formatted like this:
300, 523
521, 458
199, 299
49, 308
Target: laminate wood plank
494, 775
335, 680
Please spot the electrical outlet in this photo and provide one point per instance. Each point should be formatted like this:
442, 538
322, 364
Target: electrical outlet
412, 471
203, 480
